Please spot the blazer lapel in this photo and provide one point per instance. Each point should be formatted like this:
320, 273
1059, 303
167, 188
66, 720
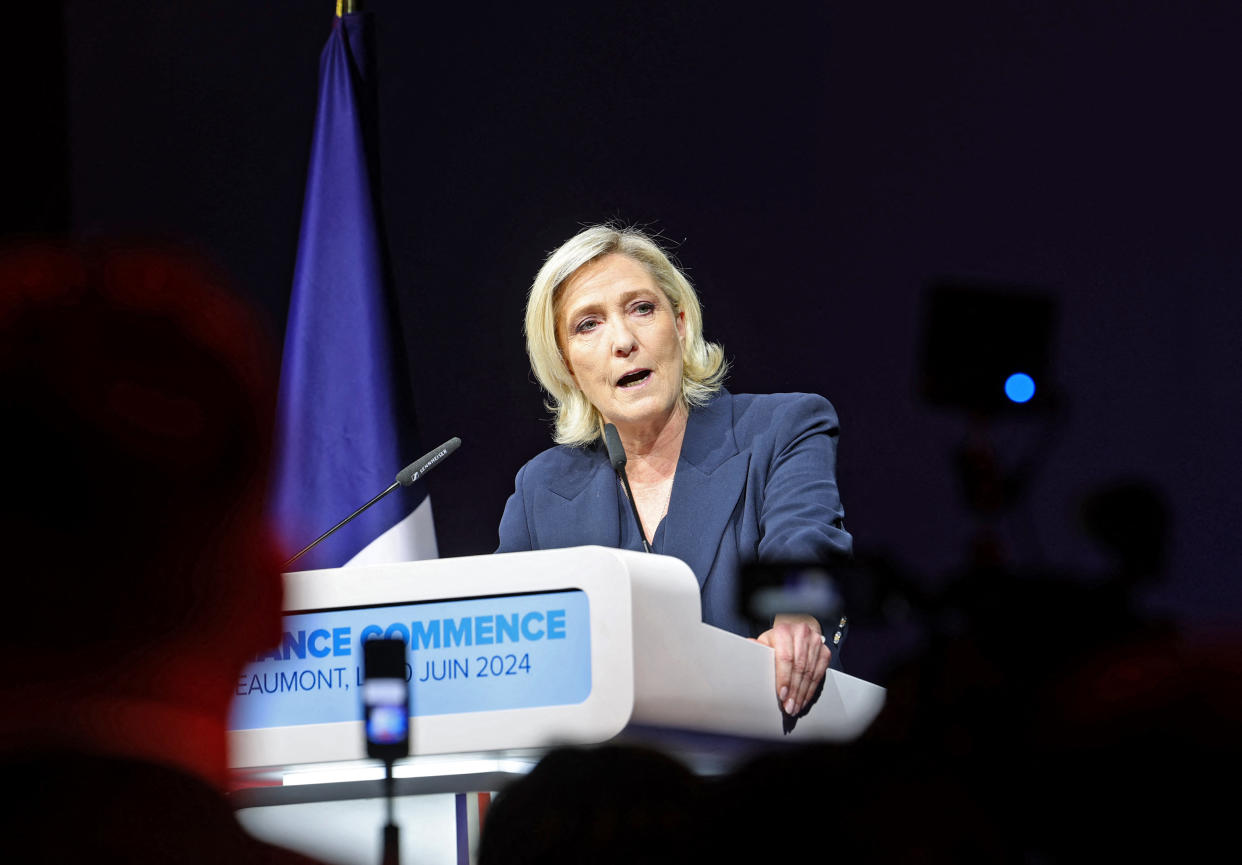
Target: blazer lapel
711, 475
580, 506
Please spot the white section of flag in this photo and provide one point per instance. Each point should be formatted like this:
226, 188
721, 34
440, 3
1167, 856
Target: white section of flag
411, 539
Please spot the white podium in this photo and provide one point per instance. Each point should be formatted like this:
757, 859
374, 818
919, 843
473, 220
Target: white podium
633, 627
509, 655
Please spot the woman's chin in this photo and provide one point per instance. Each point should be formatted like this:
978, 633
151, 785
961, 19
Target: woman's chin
640, 411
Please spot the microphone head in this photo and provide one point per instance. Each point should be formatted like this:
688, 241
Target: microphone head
427, 462
616, 453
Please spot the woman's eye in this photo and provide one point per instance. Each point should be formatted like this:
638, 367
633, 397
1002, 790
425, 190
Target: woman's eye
644, 307
586, 325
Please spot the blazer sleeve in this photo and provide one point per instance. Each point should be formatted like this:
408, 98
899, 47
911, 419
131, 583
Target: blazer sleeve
802, 518
514, 529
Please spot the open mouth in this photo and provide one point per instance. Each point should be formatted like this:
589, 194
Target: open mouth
630, 379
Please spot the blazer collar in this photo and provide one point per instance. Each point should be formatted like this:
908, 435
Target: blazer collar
709, 440
581, 471
711, 475
581, 502
708, 443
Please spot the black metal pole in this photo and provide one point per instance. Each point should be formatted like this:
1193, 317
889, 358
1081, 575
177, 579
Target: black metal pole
392, 839
322, 537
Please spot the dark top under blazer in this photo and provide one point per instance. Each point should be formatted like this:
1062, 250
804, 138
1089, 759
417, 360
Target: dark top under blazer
756, 480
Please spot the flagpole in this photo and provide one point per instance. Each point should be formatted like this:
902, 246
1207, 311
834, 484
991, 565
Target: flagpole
347, 7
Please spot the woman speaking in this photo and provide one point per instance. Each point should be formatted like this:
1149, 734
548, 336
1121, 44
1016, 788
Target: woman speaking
615, 336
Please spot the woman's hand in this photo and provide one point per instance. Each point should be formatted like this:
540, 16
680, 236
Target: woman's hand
801, 659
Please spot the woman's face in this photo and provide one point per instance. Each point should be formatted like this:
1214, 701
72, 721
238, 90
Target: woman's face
622, 341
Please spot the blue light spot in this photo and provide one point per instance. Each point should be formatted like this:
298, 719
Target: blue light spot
1020, 387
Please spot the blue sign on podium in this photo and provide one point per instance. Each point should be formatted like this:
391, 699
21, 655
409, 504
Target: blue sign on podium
472, 655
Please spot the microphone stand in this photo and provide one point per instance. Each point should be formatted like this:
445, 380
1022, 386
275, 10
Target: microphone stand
616, 456
330, 531
392, 833
405, 478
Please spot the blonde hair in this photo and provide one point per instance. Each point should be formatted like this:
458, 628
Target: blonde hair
578, 422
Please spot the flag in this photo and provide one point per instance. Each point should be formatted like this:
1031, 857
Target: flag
345, 422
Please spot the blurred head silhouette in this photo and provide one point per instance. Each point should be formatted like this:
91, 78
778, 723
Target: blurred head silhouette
137, 394
611, 804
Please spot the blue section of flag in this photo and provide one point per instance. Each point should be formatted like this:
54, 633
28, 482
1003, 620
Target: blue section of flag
345, 421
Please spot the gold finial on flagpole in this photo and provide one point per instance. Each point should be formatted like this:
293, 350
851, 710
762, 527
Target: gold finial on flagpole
347, 7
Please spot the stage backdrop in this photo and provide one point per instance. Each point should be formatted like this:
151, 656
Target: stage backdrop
814, 168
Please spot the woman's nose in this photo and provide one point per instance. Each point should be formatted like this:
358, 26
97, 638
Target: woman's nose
623, 342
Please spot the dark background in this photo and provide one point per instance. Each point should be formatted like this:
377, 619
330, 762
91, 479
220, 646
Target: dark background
815, 165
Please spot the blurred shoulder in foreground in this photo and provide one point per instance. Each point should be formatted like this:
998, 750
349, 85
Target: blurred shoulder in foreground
138, 396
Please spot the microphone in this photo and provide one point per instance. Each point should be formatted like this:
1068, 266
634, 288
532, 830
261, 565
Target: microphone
426, 462
616, 456
405, 477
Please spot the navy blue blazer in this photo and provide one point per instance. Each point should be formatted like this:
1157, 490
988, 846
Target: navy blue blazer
756, 481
